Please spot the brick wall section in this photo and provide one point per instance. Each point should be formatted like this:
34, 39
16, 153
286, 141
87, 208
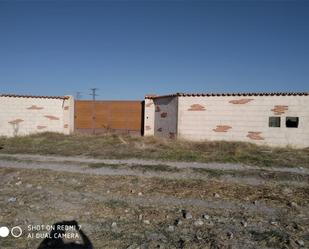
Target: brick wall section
222, 128
240, 101
16, 121
255, 135
22, 116
51, 117
280, 109
196, 107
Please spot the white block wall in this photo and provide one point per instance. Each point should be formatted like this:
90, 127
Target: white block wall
252, 116
235, 118
149, 112
23, 116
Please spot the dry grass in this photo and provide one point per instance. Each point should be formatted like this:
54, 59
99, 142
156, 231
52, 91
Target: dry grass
125, 146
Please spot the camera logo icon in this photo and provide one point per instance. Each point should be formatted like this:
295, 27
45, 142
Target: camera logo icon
15, 231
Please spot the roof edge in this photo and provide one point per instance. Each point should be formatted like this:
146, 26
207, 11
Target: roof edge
228, 94
33, 96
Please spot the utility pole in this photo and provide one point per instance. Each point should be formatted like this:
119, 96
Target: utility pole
93, 94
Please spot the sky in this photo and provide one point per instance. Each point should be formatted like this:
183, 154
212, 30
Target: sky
128, 49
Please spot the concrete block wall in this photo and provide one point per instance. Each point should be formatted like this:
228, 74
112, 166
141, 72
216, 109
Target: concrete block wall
27, 115
165, 116
244, 118
149, 117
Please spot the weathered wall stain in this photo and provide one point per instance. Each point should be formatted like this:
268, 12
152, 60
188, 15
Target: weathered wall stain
163, 114
158, 109
172, 135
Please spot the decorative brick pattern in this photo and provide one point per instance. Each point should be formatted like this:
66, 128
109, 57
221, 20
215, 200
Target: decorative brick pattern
163, 114
197, 107
41, 127
240, 101
222, 128
158, 109
279, 109
16, 121
148, 128
50, 117
35, 107
255, 135
159, 129
149, 104
66, 108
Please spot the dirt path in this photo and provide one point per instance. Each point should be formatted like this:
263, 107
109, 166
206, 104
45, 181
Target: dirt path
233, 173
181, 165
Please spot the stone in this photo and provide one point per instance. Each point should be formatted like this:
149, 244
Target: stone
114, 225
177, 222
187, 215
12, 199
171, 228
140, 217
206, 216
198, 223
18, 183
292, 204
140, 193
216, 195
301, 243
244, 223
147, 222
230, 235
29, 185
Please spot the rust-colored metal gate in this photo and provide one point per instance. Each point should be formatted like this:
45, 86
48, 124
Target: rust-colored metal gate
104, 116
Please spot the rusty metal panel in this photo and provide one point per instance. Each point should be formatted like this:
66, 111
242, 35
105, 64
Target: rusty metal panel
109, 115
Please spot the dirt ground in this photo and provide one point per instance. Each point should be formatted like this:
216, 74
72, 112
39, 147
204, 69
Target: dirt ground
150, 204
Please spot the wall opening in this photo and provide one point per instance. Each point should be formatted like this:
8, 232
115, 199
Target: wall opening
291, 122
274, 121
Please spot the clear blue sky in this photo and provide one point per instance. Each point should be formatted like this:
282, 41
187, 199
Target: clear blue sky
129, 49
